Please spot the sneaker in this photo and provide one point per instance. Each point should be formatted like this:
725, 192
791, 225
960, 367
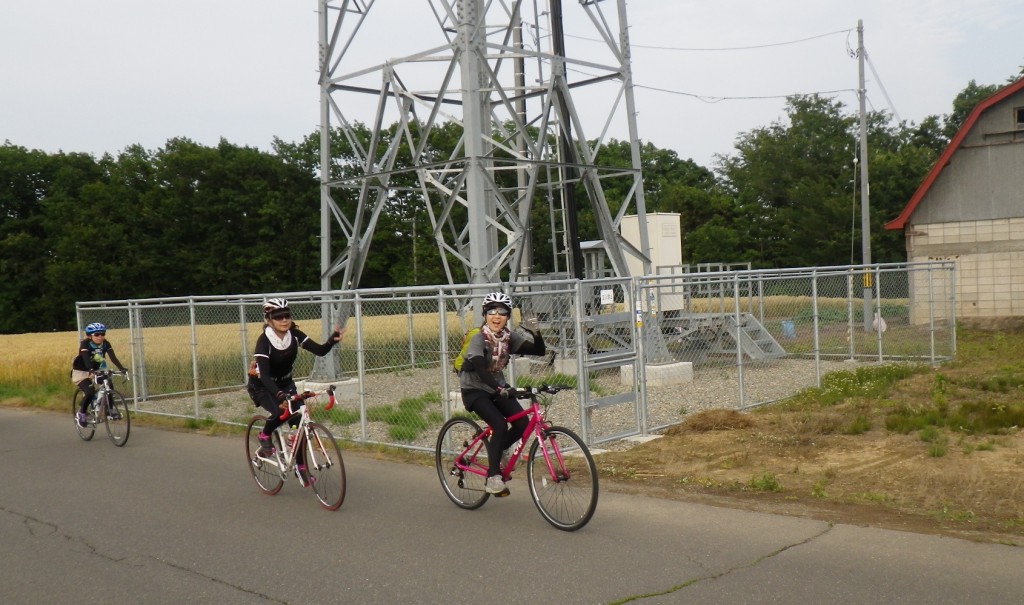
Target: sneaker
495, 485
113, 414
82, 419
266, 446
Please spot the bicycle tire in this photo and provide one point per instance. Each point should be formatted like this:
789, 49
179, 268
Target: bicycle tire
464, 488
117, 429
567, 500
266, 473
325, 466
85, 432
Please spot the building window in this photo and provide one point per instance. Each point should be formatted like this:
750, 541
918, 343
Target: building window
1019, 115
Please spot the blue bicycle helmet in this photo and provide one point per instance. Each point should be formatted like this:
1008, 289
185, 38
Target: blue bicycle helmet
94, 328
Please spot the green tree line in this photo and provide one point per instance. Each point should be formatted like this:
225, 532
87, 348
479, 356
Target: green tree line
188, 219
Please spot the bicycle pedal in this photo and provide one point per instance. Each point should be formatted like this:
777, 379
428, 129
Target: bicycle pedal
503, 493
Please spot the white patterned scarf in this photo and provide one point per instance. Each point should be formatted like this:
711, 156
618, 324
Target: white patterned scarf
276, 341
497, 344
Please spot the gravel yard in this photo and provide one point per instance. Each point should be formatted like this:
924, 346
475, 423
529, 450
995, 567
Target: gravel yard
710, 388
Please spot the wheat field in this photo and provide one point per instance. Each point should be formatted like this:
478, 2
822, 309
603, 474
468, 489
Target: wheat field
45, 357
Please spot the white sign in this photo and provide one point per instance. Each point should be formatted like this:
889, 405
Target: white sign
607, 297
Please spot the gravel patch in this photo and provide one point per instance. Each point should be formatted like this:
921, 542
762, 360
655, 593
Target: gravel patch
711, 388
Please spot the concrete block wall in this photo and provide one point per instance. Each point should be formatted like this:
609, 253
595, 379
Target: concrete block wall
989, 257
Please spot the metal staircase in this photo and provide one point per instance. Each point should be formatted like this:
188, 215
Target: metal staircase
754, 340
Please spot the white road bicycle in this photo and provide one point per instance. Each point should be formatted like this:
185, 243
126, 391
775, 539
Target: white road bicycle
310, 453
108, 407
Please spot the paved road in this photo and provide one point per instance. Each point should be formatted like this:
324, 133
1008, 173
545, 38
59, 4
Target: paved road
174, 518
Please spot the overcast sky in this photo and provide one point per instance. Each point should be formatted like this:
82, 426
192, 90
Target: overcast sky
99, 75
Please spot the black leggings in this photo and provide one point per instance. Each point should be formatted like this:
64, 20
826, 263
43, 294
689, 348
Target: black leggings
495, 411
268, 401
86, 387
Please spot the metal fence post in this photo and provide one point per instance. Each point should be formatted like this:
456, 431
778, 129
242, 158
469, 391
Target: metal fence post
361, 367
442, 312
738, 336
878, 312
195, 357
243, 333
815, 323
582, 378
639, 291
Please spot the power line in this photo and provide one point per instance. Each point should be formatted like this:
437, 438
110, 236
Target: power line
867, 57
710, 99
729, 48
716, 99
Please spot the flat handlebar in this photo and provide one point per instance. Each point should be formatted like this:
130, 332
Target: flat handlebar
530, 392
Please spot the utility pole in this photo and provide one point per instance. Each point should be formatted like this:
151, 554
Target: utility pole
865, 188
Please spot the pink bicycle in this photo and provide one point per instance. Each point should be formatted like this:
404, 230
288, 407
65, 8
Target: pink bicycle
560, 471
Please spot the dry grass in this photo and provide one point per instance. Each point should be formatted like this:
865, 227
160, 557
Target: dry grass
832, 457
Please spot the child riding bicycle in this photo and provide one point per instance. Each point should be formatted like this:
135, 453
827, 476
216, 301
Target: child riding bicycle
482, 380
92, 357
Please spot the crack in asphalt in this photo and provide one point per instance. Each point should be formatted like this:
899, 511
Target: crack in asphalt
726, 572
37, 528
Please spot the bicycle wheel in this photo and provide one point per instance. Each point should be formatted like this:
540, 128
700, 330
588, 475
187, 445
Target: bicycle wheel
563, 479
85, 432
325, 467
266, 473
117, 419
464, 488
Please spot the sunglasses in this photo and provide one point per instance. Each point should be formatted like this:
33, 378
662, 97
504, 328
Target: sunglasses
98, 334
281, 316
500, 311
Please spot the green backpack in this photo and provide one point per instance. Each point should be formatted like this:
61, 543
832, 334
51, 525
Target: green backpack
457, 362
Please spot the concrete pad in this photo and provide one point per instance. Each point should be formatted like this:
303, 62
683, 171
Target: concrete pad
660, 374
642, 438
344, 390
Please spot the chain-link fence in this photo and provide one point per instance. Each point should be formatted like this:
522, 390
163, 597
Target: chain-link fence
641, 352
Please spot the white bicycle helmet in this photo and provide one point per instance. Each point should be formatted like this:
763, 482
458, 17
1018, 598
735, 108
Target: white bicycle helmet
495, 299
274, 305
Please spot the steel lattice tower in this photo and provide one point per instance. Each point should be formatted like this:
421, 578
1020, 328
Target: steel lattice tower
525, 112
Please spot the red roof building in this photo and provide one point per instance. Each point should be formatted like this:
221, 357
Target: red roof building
970, 208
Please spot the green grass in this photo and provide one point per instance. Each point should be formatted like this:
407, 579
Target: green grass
408, 418
860, 424
767, 482
981, 393
868, 382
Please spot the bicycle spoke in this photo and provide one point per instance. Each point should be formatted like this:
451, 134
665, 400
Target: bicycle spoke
117, 419
563, 479
85, 432
464, 487
325, 467
266, 473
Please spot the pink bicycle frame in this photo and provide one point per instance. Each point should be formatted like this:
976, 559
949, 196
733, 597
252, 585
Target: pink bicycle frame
535, 426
